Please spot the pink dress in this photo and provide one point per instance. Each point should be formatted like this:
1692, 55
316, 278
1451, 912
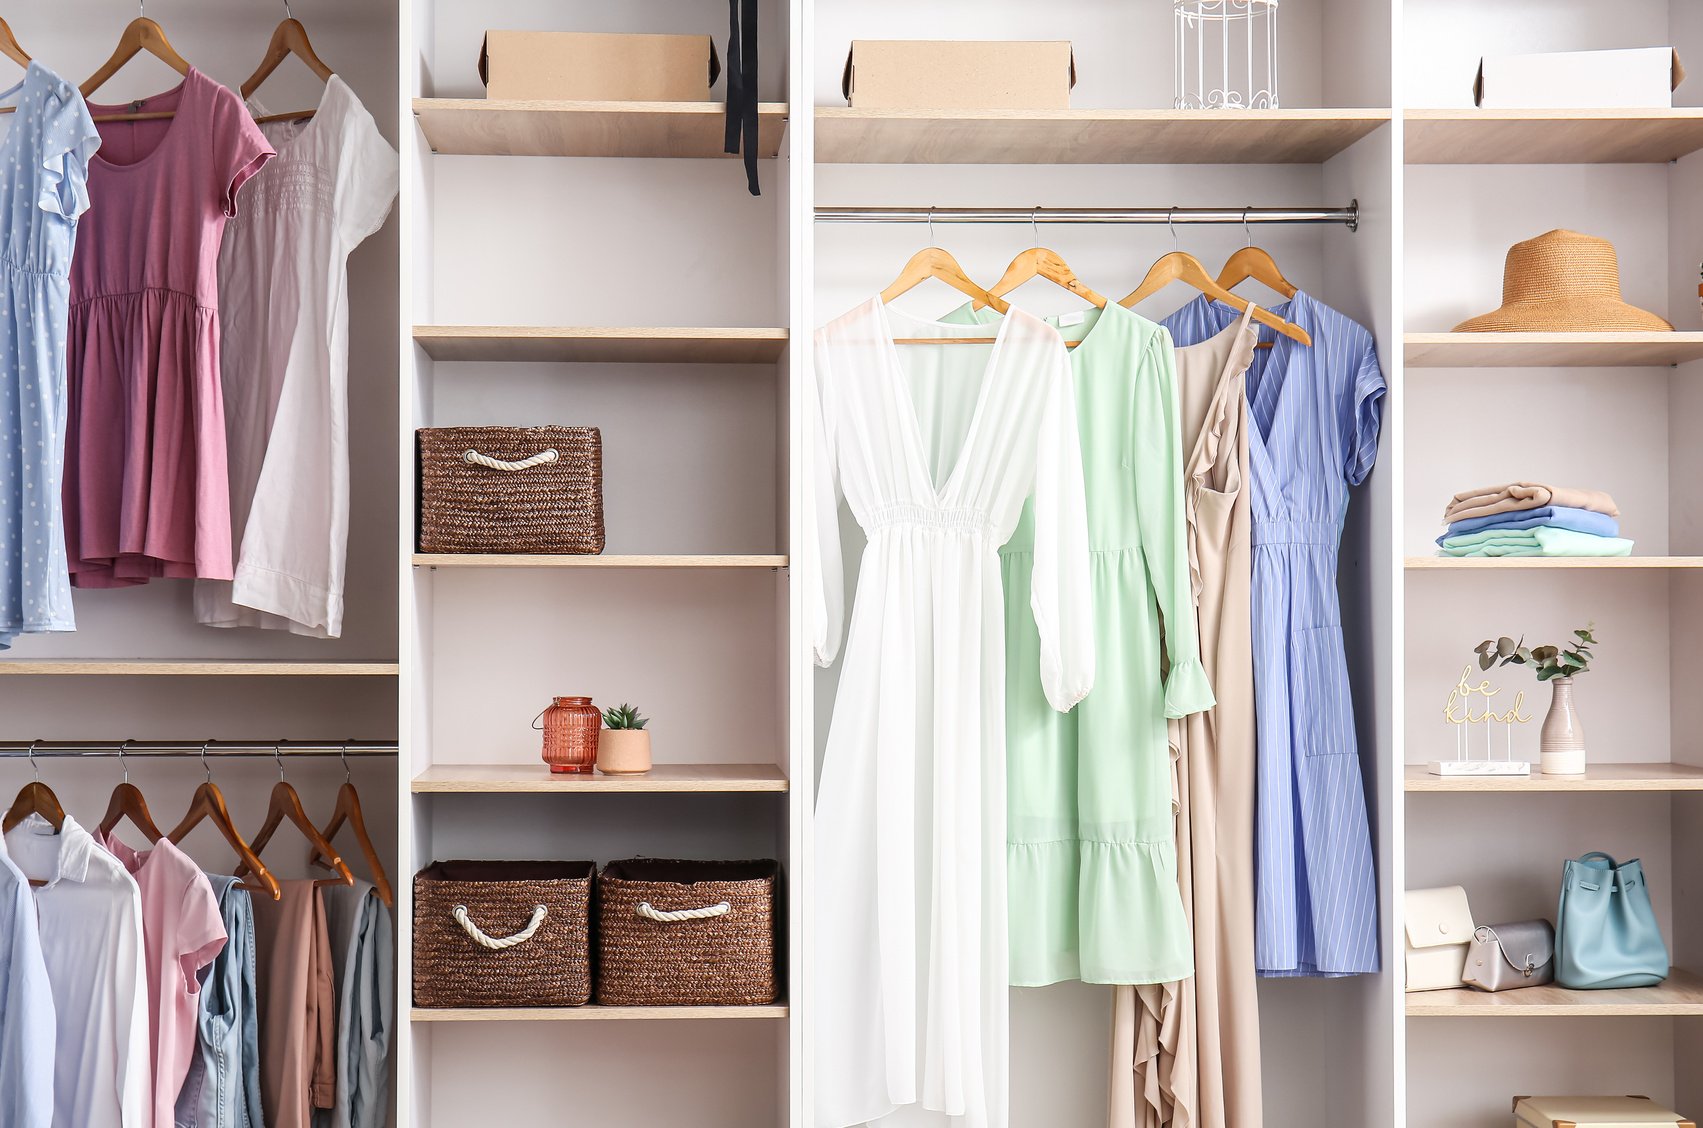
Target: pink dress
146, 492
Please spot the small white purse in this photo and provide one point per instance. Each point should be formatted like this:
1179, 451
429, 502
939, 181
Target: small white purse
1439, 928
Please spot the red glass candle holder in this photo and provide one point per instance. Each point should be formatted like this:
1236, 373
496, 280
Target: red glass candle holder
571, 725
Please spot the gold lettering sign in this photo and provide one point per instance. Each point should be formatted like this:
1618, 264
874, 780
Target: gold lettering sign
1458, 709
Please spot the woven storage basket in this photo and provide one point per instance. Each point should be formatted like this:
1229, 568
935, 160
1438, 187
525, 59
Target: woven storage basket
511, 490
523, 939
686, 933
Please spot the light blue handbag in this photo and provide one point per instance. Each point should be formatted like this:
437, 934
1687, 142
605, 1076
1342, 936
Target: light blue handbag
1605, 931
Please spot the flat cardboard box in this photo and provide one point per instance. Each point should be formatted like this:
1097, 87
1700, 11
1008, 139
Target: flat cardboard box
1594, 1112
578, 66
1641, 78
955, 75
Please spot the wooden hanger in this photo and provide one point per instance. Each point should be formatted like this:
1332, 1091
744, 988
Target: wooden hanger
209, 803
1180, 266
143, 34
349, 811
288, 38
10, 47
286, 806
1253, 262
1039, 262
36, 798
936, 262
127, 803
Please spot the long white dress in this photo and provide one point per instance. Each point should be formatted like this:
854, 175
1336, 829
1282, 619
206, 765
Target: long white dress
934, 448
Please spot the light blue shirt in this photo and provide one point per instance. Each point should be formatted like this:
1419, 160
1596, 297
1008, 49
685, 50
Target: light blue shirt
222, 1088
27, 1029
363, 961
44, 169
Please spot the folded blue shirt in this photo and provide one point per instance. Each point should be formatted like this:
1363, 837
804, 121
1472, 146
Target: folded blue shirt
1555, 516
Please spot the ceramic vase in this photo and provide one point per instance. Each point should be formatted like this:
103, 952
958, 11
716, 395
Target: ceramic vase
623, 751
1563, 739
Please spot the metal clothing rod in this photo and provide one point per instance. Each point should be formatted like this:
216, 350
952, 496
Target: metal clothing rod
1348, 216
49, 749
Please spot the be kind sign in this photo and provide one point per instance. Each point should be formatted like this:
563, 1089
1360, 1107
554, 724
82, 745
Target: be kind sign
1473, 708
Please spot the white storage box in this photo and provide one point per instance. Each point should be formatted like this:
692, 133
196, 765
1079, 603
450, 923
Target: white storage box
1642, 78
1595, 1112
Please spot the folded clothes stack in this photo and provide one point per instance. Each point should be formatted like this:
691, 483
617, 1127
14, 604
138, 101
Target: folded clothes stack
1531, 519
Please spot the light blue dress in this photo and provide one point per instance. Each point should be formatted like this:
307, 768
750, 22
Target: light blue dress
44, 169
363, 961
27, 1021
1314, 417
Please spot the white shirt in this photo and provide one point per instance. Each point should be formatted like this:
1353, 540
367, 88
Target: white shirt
284, 356
91, 936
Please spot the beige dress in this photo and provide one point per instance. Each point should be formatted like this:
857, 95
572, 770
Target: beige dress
1188, 1053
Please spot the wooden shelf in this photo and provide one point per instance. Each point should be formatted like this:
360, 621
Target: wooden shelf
1550, 350
591, 1013
141, 667
483, 127
601, 344
482, 560
1548, 563
1681, 994
515, 779
852, 136
1552, 136
1600, 777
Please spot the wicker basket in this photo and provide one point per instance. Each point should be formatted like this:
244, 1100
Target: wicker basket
686, 933
502, 934
511, 490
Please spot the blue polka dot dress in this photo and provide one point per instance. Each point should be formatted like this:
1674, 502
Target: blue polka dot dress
44, 166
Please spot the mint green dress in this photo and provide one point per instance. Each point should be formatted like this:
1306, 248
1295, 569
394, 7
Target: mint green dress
1091, 822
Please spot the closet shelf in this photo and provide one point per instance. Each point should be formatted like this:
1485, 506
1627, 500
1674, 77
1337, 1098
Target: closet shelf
1472, 136
172, 667
591, 1013
1550, 350
1681, 994
852, 136
1548, 563
482, 560
604, 344
535, 778
1600, 777
483, 127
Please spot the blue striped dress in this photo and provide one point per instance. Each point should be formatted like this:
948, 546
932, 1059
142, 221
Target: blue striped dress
1314, 415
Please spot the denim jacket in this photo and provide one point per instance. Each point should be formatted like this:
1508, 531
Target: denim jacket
222, 1089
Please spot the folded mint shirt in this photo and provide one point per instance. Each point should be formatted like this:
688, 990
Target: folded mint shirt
1555, 516
1544, 540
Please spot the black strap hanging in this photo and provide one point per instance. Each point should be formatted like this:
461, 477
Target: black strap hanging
742, 86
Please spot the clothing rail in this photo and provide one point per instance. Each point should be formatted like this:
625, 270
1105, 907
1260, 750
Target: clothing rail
60, 749
1348, 216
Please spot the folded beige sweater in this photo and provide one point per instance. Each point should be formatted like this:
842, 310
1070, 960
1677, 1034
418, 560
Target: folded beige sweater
1515, 496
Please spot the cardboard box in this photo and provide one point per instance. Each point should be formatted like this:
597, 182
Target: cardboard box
580, 66
1594, 1112
1642, 78
955, 75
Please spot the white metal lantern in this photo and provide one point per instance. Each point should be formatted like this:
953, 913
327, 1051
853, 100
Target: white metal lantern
1226, 54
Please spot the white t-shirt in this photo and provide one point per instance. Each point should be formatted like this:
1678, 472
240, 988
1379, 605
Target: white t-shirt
284, 355
91, 938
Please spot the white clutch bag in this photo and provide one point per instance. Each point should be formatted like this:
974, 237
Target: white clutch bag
1439, 928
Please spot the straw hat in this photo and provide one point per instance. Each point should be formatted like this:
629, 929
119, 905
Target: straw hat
1563, 282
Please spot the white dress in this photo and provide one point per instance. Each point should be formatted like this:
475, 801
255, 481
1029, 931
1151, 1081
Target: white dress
934, 448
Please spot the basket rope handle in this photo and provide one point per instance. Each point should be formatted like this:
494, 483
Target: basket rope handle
498, 943
485, 460
645, 910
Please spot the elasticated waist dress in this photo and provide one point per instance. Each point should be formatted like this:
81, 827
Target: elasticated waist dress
146, 492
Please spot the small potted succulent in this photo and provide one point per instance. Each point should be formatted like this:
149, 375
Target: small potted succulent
1563, 738
623, 747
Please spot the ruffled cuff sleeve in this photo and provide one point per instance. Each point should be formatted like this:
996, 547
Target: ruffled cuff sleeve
1187, 690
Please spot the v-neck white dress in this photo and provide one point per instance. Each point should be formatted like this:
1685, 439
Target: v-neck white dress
935, 448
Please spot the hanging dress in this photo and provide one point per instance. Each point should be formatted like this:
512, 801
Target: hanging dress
146, 491
1092, 846
935, 451
1314, 414
1188, 1053
44, 170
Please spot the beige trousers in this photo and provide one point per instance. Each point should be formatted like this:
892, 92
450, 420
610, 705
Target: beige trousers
1188, 1054
297, 1011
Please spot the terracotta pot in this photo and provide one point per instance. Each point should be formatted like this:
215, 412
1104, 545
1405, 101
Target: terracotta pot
623, 751
1563, 739
570, 734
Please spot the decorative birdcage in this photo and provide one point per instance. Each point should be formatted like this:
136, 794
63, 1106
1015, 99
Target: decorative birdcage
1226, 54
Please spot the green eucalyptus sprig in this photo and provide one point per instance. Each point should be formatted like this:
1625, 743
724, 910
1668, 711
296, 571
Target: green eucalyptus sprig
623, 717
1549, 661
